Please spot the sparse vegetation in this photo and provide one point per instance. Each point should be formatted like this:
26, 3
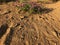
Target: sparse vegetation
21, 1
25, 7
31, 7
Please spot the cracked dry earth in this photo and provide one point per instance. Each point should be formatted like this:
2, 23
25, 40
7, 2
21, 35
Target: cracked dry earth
35, 29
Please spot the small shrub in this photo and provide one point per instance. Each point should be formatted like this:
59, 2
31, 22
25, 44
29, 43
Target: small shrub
31, 7
25, 7
21, 1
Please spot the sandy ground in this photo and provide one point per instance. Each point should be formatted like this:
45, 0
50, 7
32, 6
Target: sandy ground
34, 29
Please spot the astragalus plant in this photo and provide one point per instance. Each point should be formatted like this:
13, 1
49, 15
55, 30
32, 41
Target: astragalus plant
31, 7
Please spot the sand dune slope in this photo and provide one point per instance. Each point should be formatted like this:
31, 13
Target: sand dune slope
34, 29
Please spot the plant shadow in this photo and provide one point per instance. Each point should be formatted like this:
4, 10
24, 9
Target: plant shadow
46, 10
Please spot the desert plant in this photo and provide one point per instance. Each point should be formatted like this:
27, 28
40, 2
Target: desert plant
21, 1
32, 7
25, 7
